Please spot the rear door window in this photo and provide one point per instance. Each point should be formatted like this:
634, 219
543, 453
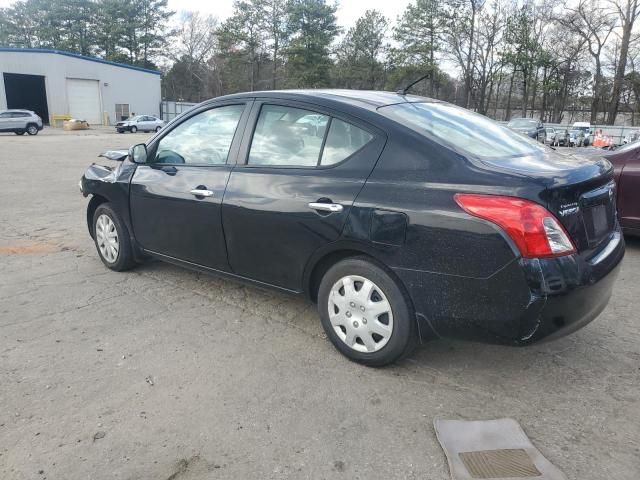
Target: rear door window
343, 140
287, 136
294, 137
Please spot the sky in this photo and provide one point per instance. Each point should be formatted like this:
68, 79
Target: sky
348, 10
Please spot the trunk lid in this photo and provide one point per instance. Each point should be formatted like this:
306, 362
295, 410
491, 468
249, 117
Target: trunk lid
579, 190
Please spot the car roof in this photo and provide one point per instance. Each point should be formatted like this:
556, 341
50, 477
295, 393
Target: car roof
368, 99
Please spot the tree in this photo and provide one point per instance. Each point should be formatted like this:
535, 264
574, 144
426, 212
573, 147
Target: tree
594, 24
491, 23
419, 35
190, 77
628, 12
274, 24
312, 26
145, 33
523, 48
460, 34
359, 55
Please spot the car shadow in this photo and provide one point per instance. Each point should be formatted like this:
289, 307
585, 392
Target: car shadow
576, 354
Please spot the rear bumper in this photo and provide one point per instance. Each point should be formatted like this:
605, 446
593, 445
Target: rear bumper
525, 302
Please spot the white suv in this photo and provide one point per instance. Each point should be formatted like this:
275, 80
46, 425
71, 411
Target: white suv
20, 121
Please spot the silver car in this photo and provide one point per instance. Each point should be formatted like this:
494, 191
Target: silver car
140, 123
20, 121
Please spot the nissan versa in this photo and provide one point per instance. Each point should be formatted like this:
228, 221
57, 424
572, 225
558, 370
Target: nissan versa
402, 217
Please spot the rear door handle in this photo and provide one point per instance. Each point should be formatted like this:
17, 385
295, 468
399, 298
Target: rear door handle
201, 193
326, 207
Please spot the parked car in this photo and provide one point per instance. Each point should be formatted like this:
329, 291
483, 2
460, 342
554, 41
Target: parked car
631, 137
576, 138
587, 132
550, 135
20, 121
626, 164
142, 123
528, 126
561, 137
405, 219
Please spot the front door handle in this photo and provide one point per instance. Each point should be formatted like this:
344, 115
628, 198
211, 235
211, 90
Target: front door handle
198, 192
326, 207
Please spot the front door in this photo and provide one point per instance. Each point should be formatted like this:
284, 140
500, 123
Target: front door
291, 194
176, 197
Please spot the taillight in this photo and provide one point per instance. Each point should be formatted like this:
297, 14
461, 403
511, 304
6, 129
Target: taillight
534, 230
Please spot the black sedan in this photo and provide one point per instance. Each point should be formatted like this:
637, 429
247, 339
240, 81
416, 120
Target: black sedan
402, 217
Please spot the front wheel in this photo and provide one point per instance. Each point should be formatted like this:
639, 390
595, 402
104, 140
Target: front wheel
112, 239
365, 312
134, 129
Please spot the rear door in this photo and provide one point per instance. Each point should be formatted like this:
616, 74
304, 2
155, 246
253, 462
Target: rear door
148, 123
5, 121
175, 198
298, 174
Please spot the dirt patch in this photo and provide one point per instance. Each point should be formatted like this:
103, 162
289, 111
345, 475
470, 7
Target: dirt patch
27, 248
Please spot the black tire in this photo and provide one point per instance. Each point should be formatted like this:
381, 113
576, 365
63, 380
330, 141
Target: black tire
120, 131
158, 129
403, 334
32, 129
20, 132
133, 129
124, 260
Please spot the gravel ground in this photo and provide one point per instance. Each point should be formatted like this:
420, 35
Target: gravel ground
162, 373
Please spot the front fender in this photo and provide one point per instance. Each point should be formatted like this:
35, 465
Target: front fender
109, 184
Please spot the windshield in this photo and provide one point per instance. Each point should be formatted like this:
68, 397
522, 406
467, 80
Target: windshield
462, 129
522, 123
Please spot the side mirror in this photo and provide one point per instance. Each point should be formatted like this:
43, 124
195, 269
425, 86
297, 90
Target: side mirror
138, 153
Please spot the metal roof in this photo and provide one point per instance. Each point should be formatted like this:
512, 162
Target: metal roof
77, 55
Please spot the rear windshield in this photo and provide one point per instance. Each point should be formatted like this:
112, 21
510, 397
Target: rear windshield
462, 130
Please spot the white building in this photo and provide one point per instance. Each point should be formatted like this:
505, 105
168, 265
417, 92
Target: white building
52, 82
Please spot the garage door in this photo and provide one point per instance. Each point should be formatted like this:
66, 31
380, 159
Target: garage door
84, 100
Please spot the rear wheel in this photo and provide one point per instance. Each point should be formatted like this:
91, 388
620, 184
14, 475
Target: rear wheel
112, 239
158, 129
32, 129
365, 313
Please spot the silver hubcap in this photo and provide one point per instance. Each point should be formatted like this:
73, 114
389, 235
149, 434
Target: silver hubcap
32, 130
360, 313
107, 238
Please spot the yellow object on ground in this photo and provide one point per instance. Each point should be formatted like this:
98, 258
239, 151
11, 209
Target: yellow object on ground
57, 117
